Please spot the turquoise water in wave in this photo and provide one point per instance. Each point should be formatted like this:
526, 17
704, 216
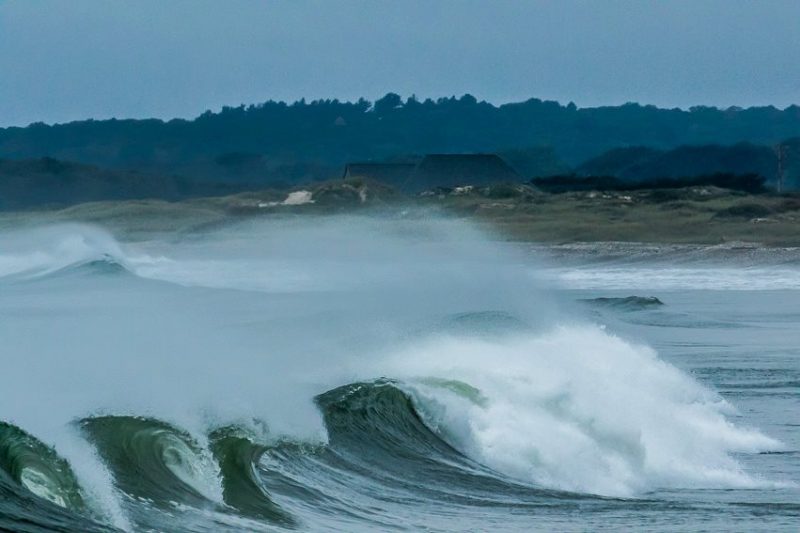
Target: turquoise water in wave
352, 374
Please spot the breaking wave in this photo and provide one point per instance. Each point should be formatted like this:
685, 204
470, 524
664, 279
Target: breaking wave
284, 377
38, 468
49, 250
577, 409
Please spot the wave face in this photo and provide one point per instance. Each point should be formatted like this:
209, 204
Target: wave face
38, 468
153, 460
238, 453
334, 374
38, 487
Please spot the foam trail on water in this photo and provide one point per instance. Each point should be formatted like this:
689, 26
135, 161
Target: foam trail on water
666, 278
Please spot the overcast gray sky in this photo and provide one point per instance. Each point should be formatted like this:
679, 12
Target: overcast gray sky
62, 60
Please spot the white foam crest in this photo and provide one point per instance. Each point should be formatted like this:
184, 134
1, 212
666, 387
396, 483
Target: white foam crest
194, 467
711, 277
581, 410
41, 251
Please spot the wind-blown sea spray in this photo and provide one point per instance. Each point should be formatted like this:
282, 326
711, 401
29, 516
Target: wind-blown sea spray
31, 253
576, 409
171, 341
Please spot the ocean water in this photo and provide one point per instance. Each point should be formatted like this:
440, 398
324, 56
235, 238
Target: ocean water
378, 374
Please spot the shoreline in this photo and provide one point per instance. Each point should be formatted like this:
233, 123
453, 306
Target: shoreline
700, 216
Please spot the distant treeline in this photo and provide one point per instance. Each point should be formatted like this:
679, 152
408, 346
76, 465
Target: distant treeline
279, 143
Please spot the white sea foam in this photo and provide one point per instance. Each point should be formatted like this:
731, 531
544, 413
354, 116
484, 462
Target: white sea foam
581, 410
709, 277
44, 250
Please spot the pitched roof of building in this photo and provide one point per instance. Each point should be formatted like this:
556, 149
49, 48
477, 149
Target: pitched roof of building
450, 170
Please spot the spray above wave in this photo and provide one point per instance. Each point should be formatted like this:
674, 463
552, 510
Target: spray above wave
578, 409
43, 251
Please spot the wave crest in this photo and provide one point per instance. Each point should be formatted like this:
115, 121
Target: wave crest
42, 252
